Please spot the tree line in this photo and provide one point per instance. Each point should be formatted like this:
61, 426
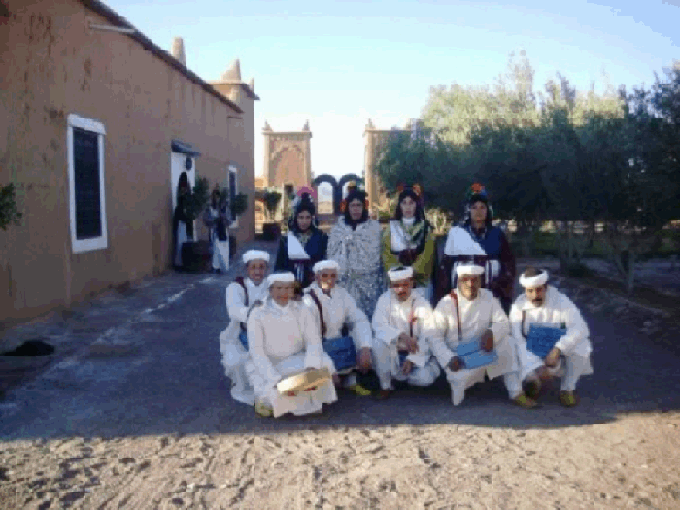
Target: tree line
592, 164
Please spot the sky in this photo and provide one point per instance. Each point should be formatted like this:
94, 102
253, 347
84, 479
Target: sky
337, 64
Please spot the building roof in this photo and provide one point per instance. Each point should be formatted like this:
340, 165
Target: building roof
119, 21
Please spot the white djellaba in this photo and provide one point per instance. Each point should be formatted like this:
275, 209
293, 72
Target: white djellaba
285, 340
476, 316
391, 318
234, 355
557, 309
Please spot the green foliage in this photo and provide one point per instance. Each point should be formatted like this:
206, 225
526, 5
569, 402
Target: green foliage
239, 205
610, 159
198, 199
272, 198
8, 206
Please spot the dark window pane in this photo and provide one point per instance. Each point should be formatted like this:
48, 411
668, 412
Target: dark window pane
232, 187
86, 163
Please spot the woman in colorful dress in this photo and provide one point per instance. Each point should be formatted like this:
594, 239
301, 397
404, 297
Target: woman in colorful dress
304, 245
355, 244
409, 240
478, 241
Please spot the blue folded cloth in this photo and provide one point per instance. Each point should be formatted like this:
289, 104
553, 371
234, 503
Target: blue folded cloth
342, 351
542, 339
243, 338
474, 356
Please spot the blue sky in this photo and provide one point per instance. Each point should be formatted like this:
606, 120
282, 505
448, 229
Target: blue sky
340, 63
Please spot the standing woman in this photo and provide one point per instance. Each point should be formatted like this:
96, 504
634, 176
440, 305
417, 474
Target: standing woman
355, 244
182, 224
477, 240
216, 218
409, 240
304, 245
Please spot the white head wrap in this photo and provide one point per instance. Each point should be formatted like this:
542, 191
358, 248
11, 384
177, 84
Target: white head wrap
251, 255
531, 282
469, 269
397, 274
280, 278
325, 264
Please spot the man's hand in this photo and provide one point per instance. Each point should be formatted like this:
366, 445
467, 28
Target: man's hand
407, 367
553, 357
407, 343
487, 341
455, 364
365, 361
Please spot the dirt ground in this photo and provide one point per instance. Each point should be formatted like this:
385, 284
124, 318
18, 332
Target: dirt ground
140, 417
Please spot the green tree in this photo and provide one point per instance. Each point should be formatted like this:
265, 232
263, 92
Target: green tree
8, 206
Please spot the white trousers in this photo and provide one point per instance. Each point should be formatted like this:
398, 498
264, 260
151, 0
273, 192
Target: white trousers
570, 369
386, 370
464, 379
220, 258
234, 359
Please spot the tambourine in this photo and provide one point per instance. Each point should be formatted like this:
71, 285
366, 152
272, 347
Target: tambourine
304, 380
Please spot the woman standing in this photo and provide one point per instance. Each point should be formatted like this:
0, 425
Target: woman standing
409, 240
477, 240
216, 218
355, 244
182, 224
304, 245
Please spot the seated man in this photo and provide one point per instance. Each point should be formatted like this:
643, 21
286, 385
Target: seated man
242, 295
543, 305
336, 311
472, 314
403, 326
284, 340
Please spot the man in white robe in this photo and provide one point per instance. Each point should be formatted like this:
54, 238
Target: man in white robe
242, 296
472, 314
543, 305
403, 327
284, 340
339, 311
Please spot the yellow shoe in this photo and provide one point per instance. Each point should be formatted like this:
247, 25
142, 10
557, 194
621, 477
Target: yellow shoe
263, 410
525, 402
358, 389
568, 398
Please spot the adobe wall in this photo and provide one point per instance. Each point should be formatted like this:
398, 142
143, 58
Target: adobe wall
54, 65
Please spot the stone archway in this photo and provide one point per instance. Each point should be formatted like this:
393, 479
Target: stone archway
326, 178
344, 180
287, 158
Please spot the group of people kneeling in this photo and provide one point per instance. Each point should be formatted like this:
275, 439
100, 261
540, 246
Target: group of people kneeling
271, 336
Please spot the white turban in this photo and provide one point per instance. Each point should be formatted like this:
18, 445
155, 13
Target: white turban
469, 269
325, 264
397, 274
531, 282
251, 255
280, 278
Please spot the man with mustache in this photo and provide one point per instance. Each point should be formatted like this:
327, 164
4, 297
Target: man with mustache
403, 326
541, 312
471, 315
342, 324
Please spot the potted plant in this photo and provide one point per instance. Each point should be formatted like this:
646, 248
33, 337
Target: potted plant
196, 254
272, 198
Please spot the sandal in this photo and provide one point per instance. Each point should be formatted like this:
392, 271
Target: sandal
263, 410
525, 402
568, 398
359, 390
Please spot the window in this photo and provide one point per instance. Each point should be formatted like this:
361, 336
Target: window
233, 190
87, 204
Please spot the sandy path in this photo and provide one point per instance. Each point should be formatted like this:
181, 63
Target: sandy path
143, 419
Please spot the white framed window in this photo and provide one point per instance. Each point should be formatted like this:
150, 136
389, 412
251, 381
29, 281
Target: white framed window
232, 176
87, 197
